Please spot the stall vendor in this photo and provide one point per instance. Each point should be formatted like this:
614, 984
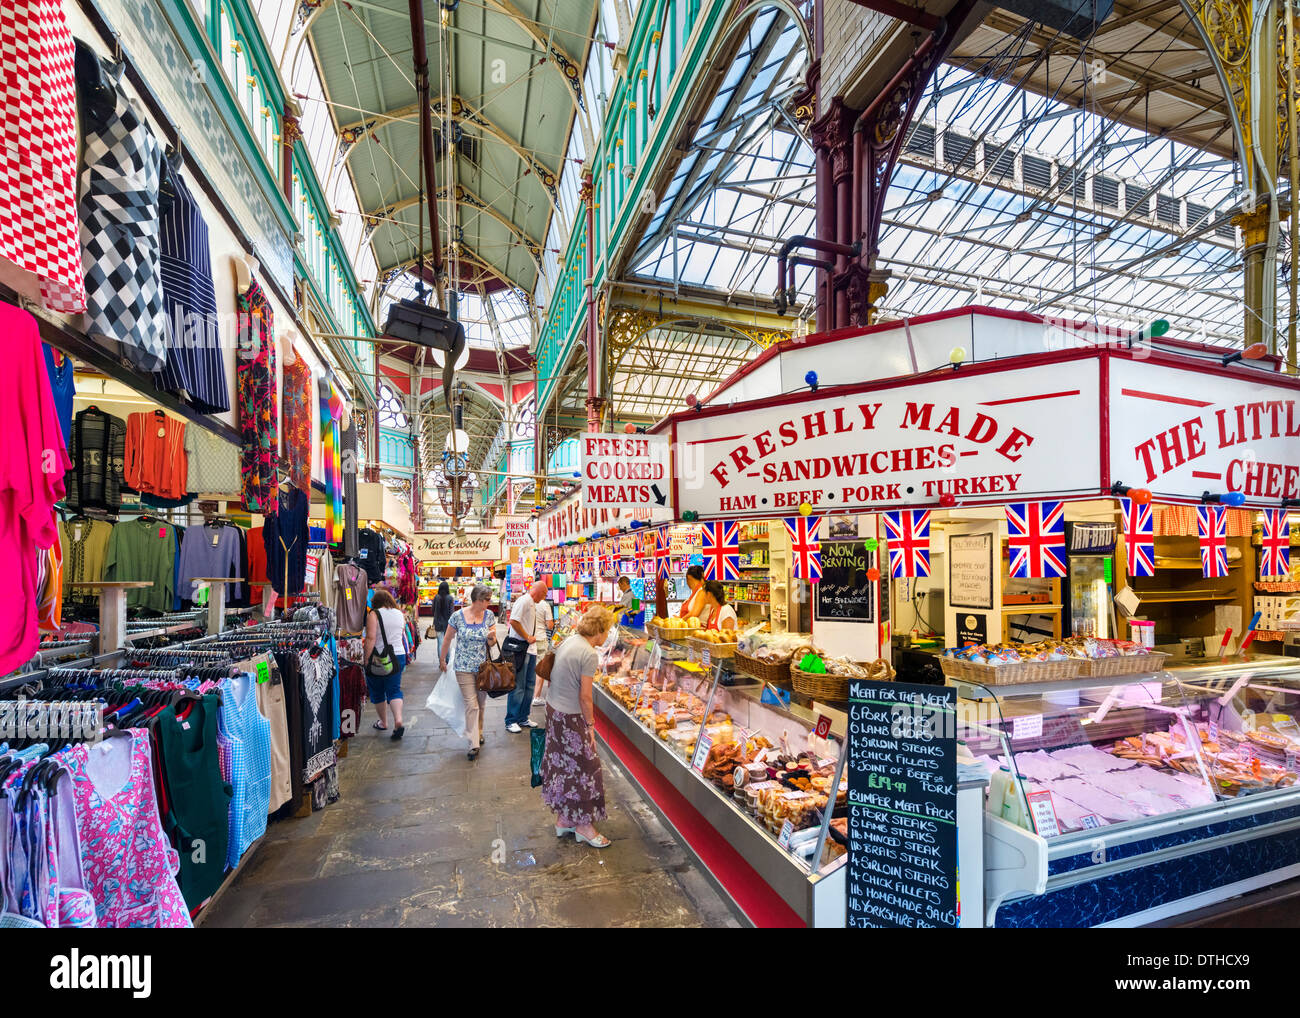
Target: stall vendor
693, 606
719, 614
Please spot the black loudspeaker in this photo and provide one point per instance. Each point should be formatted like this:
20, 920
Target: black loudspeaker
1075, 18
416, 322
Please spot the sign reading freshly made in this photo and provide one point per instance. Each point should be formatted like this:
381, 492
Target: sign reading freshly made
1179, 432
625, 471
434, 547
980, 437
902, 806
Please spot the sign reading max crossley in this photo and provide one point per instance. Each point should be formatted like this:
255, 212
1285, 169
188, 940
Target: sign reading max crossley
444, 547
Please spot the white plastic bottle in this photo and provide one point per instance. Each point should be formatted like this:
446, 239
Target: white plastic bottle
999, 782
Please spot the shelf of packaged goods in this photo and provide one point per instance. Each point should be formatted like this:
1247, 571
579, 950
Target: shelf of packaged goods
761, 603
755, 581
754, 540
757, 565
1181, 596
1187, 563
1032, 609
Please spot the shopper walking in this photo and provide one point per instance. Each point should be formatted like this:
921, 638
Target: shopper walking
572, 783
717, 614
386, 630
523, 625
443, 605
472, 629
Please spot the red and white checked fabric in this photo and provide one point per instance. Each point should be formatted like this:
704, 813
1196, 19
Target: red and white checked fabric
1180, 521
38, 157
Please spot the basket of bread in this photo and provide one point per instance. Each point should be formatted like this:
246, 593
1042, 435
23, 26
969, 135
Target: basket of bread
822, 677
1047, 660
718, 642
674, 629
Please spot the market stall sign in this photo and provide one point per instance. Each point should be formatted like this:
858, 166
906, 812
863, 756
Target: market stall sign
517, 534
902, 806
1179, 432
845, 593
970, 571
625, 471
567, 520
983, 437
436, 547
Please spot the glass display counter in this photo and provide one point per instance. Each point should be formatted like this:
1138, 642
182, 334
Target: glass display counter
759, 773
1130, 799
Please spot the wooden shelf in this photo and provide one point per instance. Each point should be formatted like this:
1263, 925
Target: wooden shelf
1032, 609
1187, 563
1180, 596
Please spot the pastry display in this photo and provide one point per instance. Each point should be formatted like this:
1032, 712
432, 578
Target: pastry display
1069, 649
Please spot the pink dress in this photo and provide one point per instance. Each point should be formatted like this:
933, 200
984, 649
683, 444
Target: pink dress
129, 865
32, 463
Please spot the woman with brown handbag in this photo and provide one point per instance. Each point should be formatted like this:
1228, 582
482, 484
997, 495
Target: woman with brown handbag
572, 783
473, 630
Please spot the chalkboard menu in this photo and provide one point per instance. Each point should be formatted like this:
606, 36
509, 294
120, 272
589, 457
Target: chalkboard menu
844, 594
902, 806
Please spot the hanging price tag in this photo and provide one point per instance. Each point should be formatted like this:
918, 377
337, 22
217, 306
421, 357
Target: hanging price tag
313, 564
823, 726
706, 659
263, 672
787, 832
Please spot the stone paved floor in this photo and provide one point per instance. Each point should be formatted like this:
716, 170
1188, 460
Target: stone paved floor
424, 838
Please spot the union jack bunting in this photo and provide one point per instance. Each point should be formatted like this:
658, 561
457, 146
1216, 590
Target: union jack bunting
721, 544
907, 532
1036, 539
805, 546
663, 551
1275, 544
1139, 537
1212, 528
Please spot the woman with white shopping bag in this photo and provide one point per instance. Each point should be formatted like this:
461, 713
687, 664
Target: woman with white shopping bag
472, 630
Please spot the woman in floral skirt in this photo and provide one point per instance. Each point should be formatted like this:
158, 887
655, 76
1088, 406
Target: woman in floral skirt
572, 784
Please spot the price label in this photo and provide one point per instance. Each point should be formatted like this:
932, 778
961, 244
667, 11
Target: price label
1246, 753
787, 832
1090, 821
823, 726
706, 659
1214, 731
1030, 726
347, 593
702, 747
313, 564
1290, 760
1043, 811
263, 672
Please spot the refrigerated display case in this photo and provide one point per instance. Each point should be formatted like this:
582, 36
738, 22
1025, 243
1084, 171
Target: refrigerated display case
758, 773
1132, 799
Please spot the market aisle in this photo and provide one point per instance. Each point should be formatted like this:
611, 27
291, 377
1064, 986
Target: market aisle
422, 837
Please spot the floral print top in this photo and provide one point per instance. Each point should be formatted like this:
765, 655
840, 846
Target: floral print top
471, 641
299, 407
258, 413
129, 866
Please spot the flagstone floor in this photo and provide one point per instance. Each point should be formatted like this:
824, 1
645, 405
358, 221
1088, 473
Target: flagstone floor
424, 838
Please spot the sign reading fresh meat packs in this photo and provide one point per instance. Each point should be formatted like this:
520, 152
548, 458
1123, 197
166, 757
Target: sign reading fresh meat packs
625, 471
1179, 432
982, 437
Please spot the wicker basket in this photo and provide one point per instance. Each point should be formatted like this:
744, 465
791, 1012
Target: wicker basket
1012, 673
764, 671
1108, 666
669, 635
716, 650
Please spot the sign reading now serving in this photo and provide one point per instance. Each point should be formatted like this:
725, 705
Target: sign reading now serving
625, 471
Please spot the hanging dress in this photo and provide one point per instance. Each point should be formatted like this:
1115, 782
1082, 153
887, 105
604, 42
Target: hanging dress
130, 869
250, 767
38, 157
258, 413
119, 230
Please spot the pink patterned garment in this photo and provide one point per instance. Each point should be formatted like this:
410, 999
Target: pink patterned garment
38, 150
130, 867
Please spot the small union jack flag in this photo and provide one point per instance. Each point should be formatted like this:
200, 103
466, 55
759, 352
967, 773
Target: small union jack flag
721, 544
1212, 528
805, 546
1036, 539
663, 549
1139, 537
907, 532
1275, 544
